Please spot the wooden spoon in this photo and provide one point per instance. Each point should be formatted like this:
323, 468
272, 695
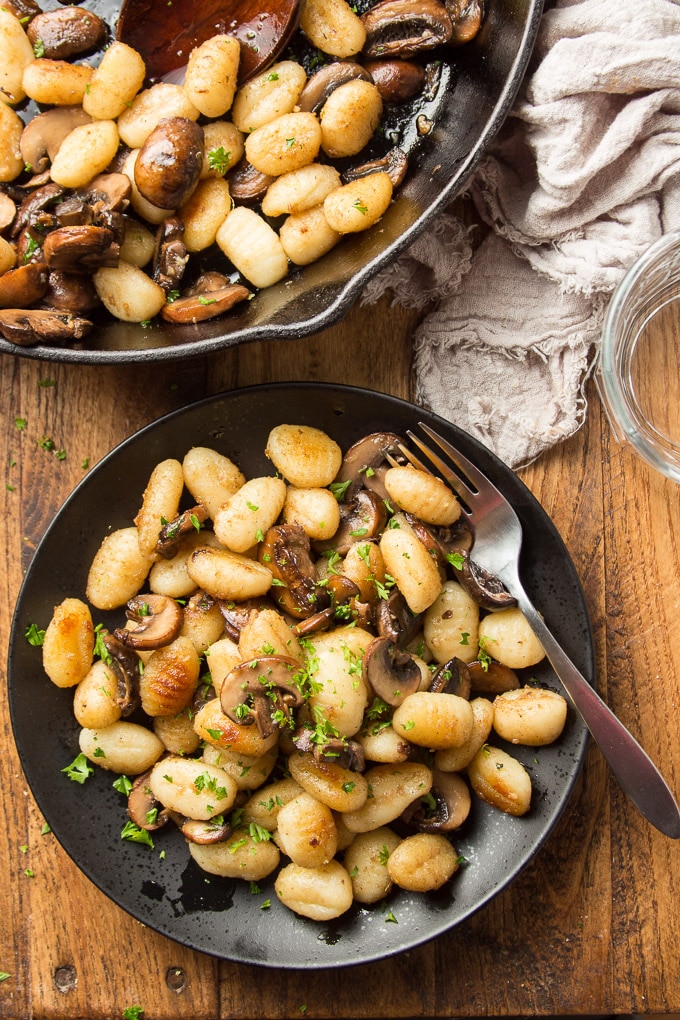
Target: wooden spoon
165, 33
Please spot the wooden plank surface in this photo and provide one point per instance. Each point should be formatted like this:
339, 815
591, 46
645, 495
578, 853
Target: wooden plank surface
592, 926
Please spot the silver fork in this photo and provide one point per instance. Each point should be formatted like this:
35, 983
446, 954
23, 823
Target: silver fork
497, 543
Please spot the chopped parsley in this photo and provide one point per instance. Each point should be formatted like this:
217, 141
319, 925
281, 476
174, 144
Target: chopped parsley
79, 770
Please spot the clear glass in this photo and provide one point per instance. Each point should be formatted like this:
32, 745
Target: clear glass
639, 367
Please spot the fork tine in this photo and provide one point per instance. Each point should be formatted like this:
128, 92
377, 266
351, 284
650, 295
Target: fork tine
473, 474
412, 459
455, 481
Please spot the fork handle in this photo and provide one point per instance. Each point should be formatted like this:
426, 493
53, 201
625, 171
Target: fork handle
636, 772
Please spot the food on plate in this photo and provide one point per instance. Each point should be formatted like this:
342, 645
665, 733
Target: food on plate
288, 689
149, 199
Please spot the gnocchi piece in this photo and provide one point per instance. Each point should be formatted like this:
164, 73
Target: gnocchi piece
123, 747
8, 255
223, 148
118, 570
177, 732
203, 622
320, 893
393, 787
340, 788
341, 697
240, 856
349, 118
16, 53
422, 494
227, 575
221, 657
250, 512
500, 780
316, 511
11, 128
305, 456
115, 83
383, 744
423, 862
531, 715
160, 503
170, 577
205, 212
366, 862
306, 236
285, 144
364, 564
264, 805
94, 702
211, 73
300, 190
358, 205
85, 152
451, 626
333, 27
217, 729
211, 478
306, 831
267, 630
269, 95
455, 759
138, 243
128, 293
433, 720
169, 679
192, 788
508, 638
138, 120
253, 246
68, 643
248, 773
410, 564
56, 82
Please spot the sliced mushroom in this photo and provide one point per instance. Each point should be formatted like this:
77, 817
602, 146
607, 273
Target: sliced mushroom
487, 590
24, 285
39, 199
215, 830
348, 754
246, 184
324, 81
315, 623
396, 80
68, 33
285, 551
126, 665
170, 254
24, 10
237, 614
394, 619
80, 249
391, 671
452, 677
467, 17
43, 135
366, 461
394, 164
158, 621
41, 326
362, 517
70, 292
403, 28
492, 677
108, 191
143, 808
445, 808
170, 162
263, 691
199, 307
184, 524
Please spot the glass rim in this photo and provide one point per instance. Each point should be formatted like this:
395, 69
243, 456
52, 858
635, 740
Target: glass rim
623, 411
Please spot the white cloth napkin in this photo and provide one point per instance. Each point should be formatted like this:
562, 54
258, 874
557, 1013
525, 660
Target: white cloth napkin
584, 176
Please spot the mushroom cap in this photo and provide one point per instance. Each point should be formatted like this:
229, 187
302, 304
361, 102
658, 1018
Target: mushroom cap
452, 677
285, 551
256, 689
452, 802
487, 590
141, 803
158, 621
391, 671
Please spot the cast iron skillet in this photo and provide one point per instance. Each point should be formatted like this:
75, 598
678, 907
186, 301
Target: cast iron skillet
219, 916
476, 92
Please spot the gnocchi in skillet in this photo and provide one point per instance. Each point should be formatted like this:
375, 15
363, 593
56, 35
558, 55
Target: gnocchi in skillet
302, 678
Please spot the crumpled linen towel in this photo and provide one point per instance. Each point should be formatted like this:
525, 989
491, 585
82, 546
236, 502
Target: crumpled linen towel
583, 177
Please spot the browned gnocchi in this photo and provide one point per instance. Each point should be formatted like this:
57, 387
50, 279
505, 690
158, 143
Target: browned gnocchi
265, 692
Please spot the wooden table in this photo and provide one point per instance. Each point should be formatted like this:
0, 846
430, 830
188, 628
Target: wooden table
591, 927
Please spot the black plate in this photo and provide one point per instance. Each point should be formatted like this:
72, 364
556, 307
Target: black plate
478, 85
222, 917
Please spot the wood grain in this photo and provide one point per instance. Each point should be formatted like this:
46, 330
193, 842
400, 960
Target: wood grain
590, 927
